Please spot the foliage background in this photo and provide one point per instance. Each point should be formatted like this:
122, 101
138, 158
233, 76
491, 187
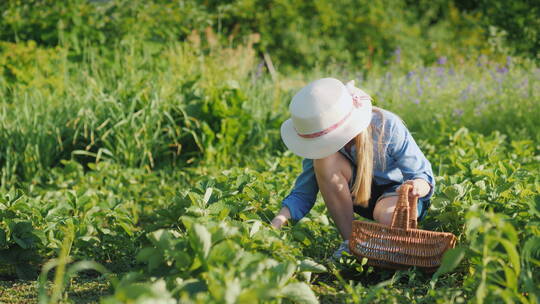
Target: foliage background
144, 136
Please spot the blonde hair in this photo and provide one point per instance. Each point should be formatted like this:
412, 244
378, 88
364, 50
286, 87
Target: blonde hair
361, 190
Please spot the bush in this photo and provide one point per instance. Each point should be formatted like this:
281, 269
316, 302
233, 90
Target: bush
297, 34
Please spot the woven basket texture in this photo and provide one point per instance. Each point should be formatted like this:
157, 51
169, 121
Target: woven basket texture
400, 245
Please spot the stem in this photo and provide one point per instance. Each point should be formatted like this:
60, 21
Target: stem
63, 259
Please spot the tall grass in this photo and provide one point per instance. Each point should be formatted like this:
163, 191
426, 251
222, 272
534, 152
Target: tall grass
135, 105
154, 106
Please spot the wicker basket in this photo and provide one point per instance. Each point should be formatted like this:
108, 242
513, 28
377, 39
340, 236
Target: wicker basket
400, 245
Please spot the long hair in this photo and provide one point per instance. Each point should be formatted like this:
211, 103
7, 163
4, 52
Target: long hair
361, 190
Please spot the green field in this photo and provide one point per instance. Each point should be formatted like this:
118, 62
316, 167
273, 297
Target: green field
141, 161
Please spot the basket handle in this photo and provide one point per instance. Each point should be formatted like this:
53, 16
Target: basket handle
405, 213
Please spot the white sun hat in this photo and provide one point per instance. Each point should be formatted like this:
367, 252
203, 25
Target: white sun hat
325, 116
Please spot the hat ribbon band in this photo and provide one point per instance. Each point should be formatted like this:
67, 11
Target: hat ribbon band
357, 102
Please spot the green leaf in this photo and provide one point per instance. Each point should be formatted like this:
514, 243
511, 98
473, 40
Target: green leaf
531, 249
224, 252
283, 272
182, 259
513, 255
192, 286
481, 292
146, 253
161, 238
311, 266
202, 238
152, 257
195, 199
450, 260
299, 293
510, 276
255, 228
24, 243
232, 291
85, 265
207, 195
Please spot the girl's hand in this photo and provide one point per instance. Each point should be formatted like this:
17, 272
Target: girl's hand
420, 187
283, 216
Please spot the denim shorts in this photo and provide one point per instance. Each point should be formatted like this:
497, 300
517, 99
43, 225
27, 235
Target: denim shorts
381, 191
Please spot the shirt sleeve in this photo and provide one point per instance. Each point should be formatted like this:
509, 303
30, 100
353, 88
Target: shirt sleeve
408, 156
303, 196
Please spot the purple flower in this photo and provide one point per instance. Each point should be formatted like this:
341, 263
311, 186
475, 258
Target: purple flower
458, 112
502, 70
508, 61
410, 74
481, 60
388, 77
479, 109
419, 89
416, 101
397, 53
259, 70
465, 93
493, 75
442, 60
440, 71
524, 83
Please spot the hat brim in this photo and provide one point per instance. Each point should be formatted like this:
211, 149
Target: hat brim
326, 145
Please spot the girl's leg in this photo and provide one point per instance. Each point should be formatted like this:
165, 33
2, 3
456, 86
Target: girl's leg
384, 210
333, 174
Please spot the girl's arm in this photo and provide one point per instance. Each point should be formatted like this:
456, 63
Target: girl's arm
301, 199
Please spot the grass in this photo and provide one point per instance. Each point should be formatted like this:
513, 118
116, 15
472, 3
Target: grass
82, 290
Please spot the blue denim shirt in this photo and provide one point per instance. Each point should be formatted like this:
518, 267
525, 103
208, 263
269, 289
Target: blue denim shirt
403, 161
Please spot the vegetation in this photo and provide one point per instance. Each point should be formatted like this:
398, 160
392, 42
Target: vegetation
141, 158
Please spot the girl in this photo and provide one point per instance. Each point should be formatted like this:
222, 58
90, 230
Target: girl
355, 154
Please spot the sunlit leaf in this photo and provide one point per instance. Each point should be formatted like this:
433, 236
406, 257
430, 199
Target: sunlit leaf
255, 228
283, 272
203, 238
299, 293
207, 195
311, 266
513, 255
450, 260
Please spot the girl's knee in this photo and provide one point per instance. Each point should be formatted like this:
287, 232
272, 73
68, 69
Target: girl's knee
384, 210
384, 218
